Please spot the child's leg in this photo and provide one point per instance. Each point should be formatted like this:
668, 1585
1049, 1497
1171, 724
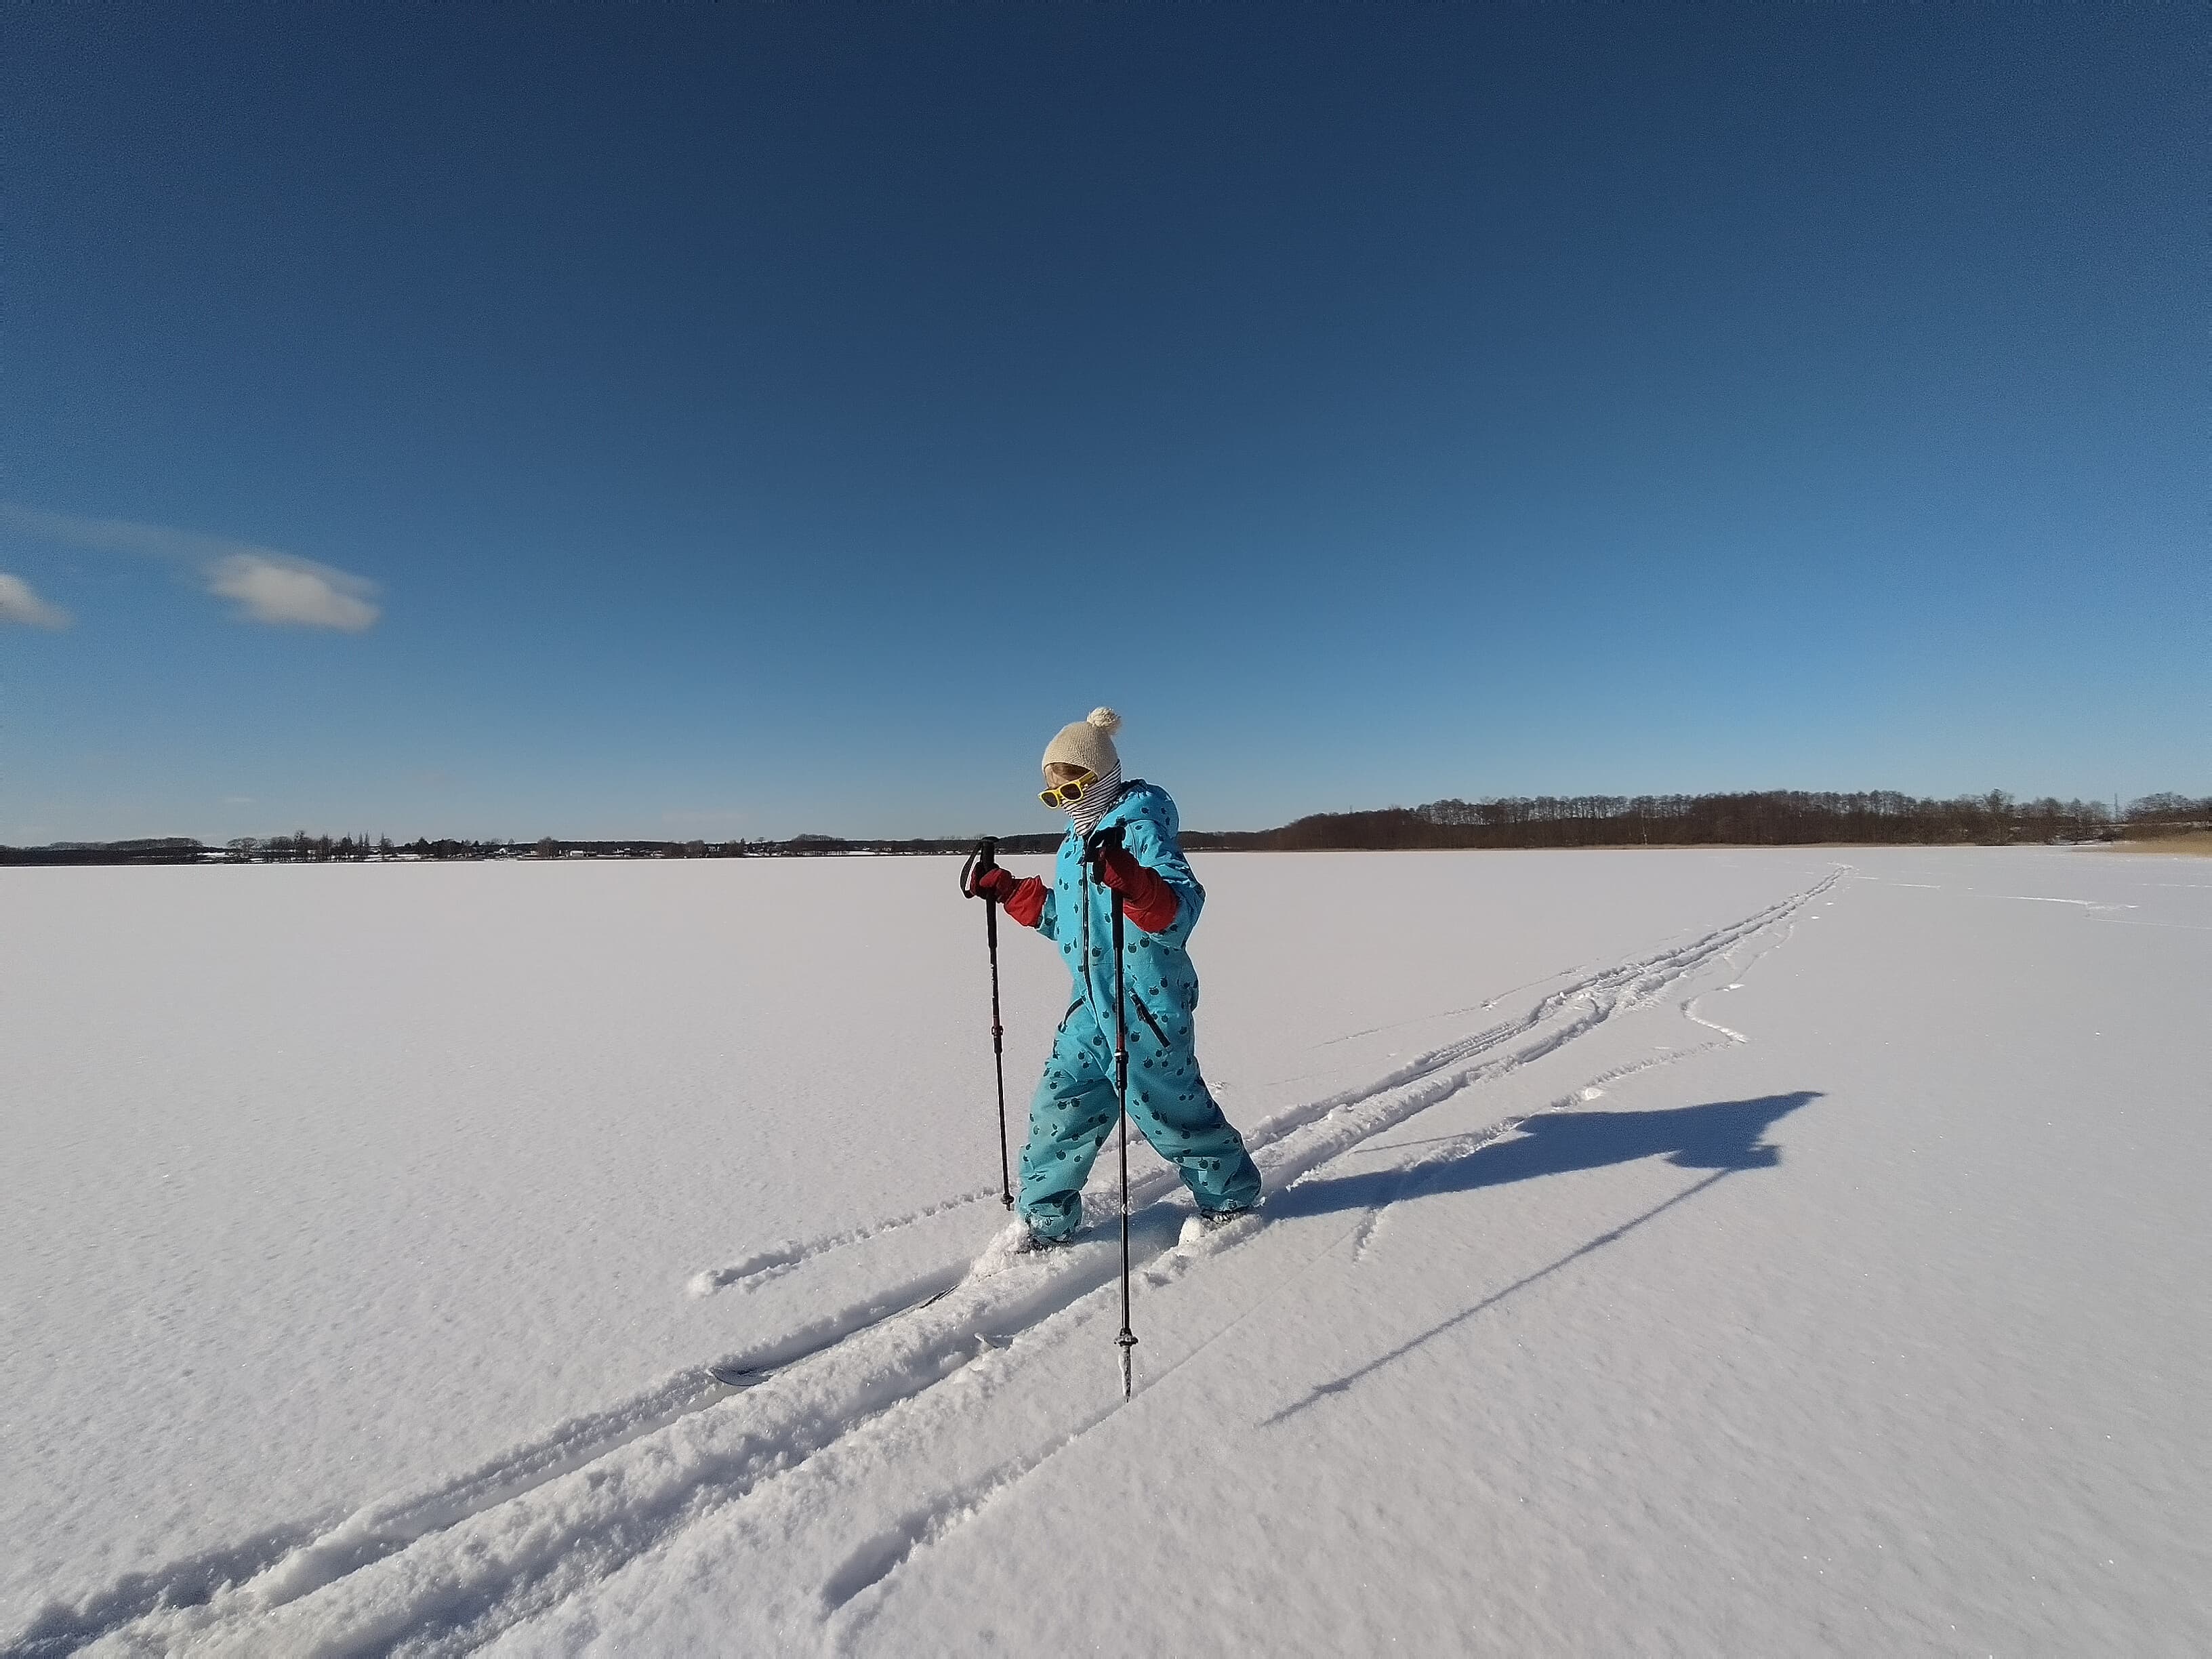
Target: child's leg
1069, 1115
1171, 1104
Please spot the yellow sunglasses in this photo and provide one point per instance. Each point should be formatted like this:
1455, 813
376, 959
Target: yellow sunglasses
1068, 793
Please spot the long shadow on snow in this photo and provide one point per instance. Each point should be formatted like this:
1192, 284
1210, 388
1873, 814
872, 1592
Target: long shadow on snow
1721, 1135
1724, 1136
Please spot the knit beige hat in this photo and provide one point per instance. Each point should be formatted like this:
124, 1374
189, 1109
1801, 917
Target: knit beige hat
1088, 744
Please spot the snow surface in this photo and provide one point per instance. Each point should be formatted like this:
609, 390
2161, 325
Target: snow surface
1685, 1252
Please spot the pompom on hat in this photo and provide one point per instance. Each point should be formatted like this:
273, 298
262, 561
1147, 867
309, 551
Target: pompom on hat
1088, 744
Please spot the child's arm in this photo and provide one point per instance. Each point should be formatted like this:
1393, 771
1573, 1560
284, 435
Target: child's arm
1028, 900
1148, 900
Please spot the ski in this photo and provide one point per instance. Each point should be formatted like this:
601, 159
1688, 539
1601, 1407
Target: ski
1010, 1286
750, 1373
1198, 1229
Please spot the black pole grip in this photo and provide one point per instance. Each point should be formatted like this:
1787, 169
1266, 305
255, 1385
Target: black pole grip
983, 859
1099, 842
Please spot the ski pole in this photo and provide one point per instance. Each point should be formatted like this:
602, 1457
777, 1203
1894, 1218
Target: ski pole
983, 859
1127, 1340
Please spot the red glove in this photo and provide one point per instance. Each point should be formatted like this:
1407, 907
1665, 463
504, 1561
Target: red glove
1024, 898
1147, 899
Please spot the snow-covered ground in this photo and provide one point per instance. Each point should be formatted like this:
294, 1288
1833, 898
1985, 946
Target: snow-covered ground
1690, 1252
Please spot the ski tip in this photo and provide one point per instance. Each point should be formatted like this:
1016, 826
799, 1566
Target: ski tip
1201, 1229
735, 1377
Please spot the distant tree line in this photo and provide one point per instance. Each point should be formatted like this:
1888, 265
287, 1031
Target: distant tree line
320, 849
304, 849
155, 850
2161, 815
1770, 818
1778, 817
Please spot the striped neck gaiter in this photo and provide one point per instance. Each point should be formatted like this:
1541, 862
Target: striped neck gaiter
1085, 813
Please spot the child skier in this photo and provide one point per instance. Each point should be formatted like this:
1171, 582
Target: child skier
1074, 1106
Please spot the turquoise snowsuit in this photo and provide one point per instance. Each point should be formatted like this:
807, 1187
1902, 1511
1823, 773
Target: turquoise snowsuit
1074, 1109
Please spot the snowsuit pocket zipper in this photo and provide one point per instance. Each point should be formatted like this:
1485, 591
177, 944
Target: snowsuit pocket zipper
1146, 1014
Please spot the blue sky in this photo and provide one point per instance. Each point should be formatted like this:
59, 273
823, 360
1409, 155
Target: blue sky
749, 420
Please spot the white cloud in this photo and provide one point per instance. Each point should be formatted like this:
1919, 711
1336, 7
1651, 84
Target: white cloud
19, 605
268, 586
294, 593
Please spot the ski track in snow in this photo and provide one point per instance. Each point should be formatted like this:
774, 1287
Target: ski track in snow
189, 1583
445, 1569
780, 1258
1690, 1012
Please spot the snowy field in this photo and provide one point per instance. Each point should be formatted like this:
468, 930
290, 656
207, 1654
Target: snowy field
1711, 1252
